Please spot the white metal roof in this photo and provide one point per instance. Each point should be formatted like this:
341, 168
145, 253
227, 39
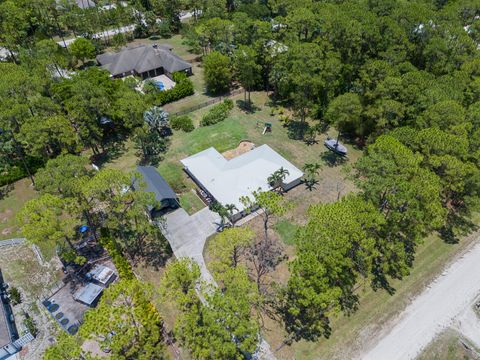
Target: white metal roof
88, 293
101, 273
228, 180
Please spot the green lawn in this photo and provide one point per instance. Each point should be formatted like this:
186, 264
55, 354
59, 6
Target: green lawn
10, 205
286, 230
222, 136
191, 202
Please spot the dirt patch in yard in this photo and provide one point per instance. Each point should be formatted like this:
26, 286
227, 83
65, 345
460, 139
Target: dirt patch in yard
242, 148
5, 215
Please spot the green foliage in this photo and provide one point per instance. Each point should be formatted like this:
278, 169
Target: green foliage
287, 231
119, 40
82, 49
409, 196
121, 264
66, 347
50, 219
345, 112
30, 324
247, 69
229, 246
217, 72
130, 325
14, 295
222, 327
217, 113
13, 172
63, 175
184, 123
150, 144
183, 88
334, 248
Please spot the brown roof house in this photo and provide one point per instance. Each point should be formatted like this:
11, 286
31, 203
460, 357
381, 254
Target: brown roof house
145, 60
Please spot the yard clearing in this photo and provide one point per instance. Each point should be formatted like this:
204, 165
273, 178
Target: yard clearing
35, 281
11, 202
23, 270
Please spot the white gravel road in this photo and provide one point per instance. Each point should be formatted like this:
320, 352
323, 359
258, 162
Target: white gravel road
444, 303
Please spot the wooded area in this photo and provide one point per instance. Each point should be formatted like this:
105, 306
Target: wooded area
398, 79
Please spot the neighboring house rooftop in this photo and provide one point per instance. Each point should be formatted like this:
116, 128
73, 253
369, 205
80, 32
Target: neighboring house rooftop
101, 273
156, 183
85, 4
228, 180
4, 329
88, 294
141, 59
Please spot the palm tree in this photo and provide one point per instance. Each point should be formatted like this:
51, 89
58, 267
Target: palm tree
278, 177
311, 171
282, 173
230, 208
157, 119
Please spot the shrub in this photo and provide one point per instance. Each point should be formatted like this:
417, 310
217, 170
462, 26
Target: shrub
15, 296
217, 113
123, 267
163, 30
30, 324
184, 123
119, 40
183, 88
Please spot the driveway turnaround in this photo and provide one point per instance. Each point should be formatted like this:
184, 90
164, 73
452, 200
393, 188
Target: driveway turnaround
187, 235
443, 304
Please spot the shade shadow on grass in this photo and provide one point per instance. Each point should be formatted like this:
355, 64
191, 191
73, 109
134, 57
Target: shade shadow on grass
332, 159
287, 231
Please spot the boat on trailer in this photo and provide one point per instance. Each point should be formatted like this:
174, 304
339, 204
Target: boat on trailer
335, 146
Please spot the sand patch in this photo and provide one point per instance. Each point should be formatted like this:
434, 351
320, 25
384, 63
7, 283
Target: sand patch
242, 148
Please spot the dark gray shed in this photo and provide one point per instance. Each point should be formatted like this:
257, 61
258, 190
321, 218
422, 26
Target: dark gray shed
156, 184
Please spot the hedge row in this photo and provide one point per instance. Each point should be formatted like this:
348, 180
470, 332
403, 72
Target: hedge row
217, 113
183, 88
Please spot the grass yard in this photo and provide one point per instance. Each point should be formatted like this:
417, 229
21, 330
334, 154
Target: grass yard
10, 205
286, 230
24, 271
447, 346
239, 126
191, 202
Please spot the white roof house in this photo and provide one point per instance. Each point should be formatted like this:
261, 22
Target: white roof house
228, 180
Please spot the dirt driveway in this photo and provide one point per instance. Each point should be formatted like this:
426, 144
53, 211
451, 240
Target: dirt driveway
441, 305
